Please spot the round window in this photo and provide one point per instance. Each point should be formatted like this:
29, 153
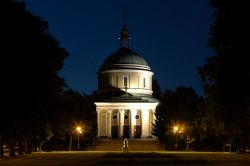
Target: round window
114, 117
136, 116
126, 117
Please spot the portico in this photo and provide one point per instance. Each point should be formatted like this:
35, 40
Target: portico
125, 120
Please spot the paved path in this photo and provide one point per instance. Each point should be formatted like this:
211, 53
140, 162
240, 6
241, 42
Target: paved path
133, 158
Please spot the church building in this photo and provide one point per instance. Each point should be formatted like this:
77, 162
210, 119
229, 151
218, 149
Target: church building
125, 106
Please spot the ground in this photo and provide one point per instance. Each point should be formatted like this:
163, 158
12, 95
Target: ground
89, 158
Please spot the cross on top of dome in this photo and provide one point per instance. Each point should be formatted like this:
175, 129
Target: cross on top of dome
124, 34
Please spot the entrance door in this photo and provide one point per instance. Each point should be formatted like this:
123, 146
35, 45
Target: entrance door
126, 131
114, 124
115, 131
126, 127
137, 131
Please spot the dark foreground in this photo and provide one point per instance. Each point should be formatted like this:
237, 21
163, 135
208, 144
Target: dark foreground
131, 159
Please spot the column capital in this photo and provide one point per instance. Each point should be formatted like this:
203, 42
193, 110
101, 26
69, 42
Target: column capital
122, 111
133, 110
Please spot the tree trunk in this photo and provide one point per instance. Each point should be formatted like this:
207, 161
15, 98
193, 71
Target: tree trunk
1, 147
187, 143
20, 146
70, 143
29, 147
243, 144
12, 149
223, 146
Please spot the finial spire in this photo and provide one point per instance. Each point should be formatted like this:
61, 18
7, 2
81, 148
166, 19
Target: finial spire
124, 17
124, 35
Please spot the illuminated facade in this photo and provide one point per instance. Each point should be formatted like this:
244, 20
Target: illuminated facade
125, 107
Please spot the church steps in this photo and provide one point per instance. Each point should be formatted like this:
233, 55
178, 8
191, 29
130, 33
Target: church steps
134, 145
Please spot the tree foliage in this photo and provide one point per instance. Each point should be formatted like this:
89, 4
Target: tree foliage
70, 110
181, 108
226, 76
156, 90
31, 58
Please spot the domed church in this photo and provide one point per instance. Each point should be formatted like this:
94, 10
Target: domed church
125, 106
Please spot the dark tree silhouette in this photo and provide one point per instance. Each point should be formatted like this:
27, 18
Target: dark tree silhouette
71, 109
226, 76
31, 58
156, 90
1, 146
179, 107
158, 127
161, 122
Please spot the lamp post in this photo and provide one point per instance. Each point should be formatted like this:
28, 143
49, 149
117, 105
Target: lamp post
79, 132
175, 130
70, 142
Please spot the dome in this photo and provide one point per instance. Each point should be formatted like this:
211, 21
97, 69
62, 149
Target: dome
124, 58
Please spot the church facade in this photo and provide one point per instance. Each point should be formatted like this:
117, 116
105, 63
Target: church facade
125, 106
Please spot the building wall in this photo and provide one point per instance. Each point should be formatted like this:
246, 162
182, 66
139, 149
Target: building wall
115, 79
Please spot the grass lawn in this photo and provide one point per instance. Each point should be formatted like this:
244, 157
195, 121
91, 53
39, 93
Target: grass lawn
90, 158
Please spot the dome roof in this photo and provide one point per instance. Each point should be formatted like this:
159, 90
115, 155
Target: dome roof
124, 58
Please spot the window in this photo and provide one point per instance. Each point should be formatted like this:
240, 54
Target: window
144, 82
125, 81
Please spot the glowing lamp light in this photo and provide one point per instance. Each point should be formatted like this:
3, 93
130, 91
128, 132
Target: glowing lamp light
175, 129
79, 129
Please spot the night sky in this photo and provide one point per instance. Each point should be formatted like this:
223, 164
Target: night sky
171, 35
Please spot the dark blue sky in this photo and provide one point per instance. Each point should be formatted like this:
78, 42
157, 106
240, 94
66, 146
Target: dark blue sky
171, 35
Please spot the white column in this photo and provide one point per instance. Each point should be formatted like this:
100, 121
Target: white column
109, 123
103, 123
98, 122
121, 113
151, 122
145, 123
133, 122
154, 118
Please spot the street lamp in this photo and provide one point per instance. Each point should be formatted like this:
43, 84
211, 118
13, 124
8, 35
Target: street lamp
175, 130
79, 132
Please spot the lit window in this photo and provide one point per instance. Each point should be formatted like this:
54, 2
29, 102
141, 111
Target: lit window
125, 81
144, 82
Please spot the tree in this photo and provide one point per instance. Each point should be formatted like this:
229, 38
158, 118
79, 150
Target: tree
226, 76
159, 122
158, 126
156, 90
72, 109
183, 110
29, 80
180, 107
